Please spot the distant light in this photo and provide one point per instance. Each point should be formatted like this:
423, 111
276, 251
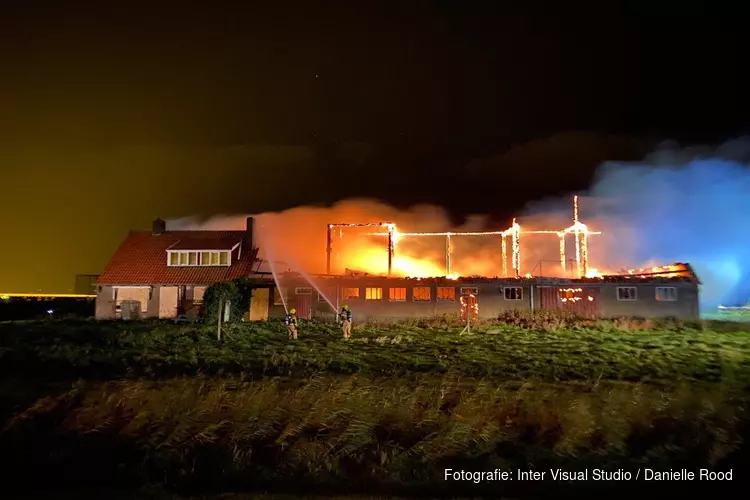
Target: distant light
49, 311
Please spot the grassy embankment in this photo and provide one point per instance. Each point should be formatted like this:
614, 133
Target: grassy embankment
151, 402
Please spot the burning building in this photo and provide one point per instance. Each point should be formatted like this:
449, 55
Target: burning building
668, 291
165, 273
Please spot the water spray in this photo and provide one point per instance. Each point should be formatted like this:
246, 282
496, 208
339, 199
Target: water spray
272, 265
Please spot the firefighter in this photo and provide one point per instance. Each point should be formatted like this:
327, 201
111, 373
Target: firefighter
291, 324
345, 320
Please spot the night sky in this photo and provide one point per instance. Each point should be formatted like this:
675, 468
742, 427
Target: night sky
111, 118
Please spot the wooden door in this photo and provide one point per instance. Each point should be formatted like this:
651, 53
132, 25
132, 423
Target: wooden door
168, 302
259, 304
303, 306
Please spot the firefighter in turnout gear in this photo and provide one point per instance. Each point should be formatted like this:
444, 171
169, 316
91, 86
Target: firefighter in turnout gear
345, 320
291, 324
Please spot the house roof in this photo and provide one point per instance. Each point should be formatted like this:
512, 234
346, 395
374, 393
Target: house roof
142, 259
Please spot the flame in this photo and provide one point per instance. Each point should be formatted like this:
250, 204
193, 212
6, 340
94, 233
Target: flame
593, 273
453, 276
371, 260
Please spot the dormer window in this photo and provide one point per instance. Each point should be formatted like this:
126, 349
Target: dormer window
199, 258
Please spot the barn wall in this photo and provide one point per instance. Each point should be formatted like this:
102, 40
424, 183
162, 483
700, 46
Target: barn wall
646, 305
492, 300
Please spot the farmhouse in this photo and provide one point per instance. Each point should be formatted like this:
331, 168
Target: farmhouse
166, 273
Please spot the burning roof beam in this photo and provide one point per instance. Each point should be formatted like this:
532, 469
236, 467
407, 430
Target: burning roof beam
578, 229
391, 241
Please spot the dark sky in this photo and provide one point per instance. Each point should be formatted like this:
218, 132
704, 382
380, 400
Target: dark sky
109, 118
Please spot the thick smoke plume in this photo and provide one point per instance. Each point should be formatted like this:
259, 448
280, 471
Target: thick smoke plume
297, 237
677, 205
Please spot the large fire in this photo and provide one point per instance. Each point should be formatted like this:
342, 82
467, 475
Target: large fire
363, 238
373, 260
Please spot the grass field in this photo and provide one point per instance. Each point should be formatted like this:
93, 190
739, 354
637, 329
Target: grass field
133, 404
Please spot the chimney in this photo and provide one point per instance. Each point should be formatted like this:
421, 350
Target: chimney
159, 227
248, 242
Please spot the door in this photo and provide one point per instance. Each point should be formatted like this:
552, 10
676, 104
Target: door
583, 301
304, 310
168, 302
469, 307
259, 304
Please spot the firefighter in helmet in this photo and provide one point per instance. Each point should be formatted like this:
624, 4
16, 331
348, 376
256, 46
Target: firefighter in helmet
291, 324
345, 320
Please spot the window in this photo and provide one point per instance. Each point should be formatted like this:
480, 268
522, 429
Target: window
513, 292
397, 294
303, 290
470, 291
350, 293
373, 294
626, 293
328, 293
422, 294
666, 293
189, 258
446, 294
278, 300
198, 293
138, 294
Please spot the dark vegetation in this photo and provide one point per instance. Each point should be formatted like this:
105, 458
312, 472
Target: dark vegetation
33, 308
152, 403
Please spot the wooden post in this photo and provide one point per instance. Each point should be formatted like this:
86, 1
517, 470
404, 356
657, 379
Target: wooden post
329, 248
219, 312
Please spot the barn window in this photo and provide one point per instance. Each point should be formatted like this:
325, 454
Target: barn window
350, 293
397, 294
666, 293
303, 290
198, 293
513, 292
626, 293
446, 294
278, 300
373, 294
470, 291
422, 294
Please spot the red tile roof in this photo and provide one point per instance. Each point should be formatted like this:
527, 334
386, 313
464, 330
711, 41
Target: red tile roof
142, 259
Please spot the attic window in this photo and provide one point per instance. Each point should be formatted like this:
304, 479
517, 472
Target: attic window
198, 258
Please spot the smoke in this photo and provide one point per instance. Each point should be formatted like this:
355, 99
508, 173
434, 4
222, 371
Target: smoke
297, 237
677, 205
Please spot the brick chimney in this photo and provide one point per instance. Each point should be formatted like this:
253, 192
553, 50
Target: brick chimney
159, 227
249, 243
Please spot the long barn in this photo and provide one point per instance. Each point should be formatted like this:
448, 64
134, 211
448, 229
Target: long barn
672, 293
163, 274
